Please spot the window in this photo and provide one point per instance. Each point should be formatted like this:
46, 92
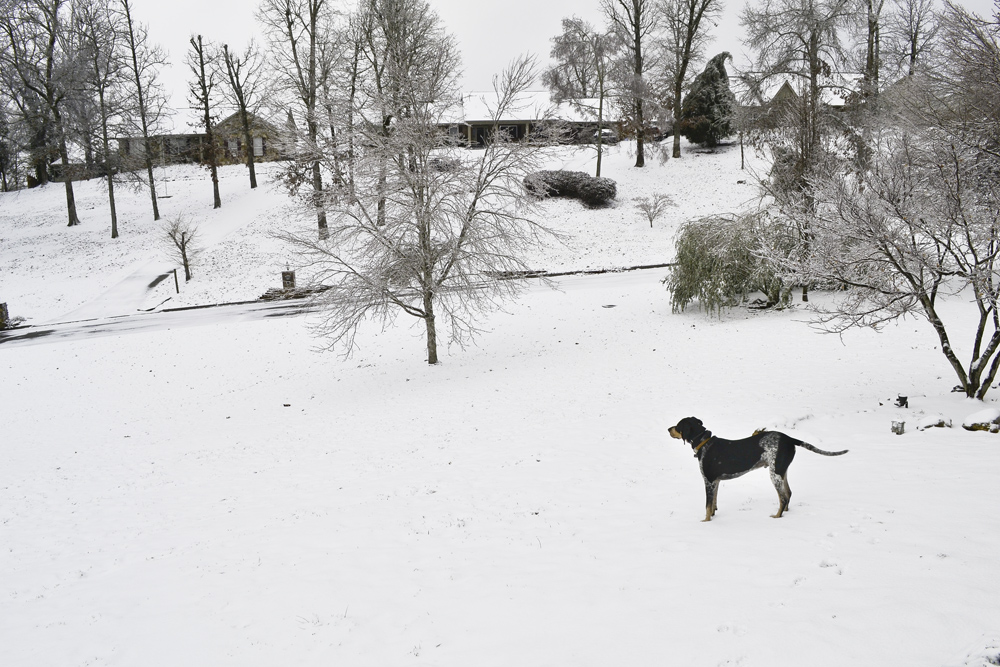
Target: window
234, 148
510, 131
258, 146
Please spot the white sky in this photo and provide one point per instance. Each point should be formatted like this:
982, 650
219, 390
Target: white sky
490, 32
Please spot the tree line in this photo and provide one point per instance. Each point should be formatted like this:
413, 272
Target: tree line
78, 74
642, 61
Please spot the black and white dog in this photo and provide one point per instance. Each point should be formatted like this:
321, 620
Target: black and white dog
727, 459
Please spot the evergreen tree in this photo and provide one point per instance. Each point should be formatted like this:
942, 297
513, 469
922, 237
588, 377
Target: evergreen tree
707, 112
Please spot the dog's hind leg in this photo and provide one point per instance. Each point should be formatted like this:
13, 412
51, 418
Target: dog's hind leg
711, 498
784, 492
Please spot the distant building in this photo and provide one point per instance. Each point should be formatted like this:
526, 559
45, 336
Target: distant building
533, 115
263, 135
192, 148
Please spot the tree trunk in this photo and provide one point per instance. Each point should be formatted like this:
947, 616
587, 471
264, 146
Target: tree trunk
640, 135
640, 122
600, 129
432, 355
142, 109
67, 180
249, 143
149, 171
111, 204
317, 183
678, 89
184, 257
199, 48
109, 171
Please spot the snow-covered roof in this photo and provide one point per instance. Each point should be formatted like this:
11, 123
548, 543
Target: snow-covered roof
835, 89
532, 105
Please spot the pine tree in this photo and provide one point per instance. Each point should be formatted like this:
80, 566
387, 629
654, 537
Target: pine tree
707, 112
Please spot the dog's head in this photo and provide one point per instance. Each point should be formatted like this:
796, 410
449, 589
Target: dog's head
689, 430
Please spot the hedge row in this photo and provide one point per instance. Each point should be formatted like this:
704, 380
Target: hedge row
572, 184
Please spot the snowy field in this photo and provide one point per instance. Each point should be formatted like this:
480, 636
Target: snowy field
212, 491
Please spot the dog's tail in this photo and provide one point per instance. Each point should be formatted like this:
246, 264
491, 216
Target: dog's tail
806, 445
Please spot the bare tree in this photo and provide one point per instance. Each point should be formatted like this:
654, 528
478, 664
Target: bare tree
245, 74
37, 50
920, 221
200, 94
144, 61
917, 226
685, 36
296, 31
871, 11
101, 39
967, 82
797, 39
911, 31
582, 73
31, 125
436, 239
573, 73
655, 206
182, 236
635, 22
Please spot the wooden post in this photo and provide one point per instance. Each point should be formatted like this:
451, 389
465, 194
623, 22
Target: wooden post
177, 285
4, 316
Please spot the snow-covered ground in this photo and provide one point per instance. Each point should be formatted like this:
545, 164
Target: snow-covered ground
213, 491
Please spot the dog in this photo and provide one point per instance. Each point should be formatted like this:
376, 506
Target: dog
728, 459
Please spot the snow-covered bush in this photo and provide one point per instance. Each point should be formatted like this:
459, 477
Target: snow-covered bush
707, 112
591, 190
720, 262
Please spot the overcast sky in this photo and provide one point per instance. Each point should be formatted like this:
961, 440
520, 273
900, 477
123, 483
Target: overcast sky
490, 33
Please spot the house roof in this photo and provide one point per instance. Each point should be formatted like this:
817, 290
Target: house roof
232, 123
836, 89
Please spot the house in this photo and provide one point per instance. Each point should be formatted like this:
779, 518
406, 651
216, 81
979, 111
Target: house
263, 135
164, 148
533, 115
191, 148
836, 91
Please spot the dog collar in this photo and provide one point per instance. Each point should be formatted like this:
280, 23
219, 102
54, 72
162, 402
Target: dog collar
703, 443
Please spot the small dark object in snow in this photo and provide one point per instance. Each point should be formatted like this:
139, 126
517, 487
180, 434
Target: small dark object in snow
760, 304
902, 402
275, 294
898, 427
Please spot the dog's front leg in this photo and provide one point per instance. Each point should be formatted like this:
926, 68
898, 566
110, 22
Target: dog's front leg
711, 496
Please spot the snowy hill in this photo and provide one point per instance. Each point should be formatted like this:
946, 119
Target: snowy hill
210, 490
50, 270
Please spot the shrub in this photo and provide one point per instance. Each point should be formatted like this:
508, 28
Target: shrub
591, 191
721, 261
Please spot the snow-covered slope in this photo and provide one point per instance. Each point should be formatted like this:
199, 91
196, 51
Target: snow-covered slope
51, 271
